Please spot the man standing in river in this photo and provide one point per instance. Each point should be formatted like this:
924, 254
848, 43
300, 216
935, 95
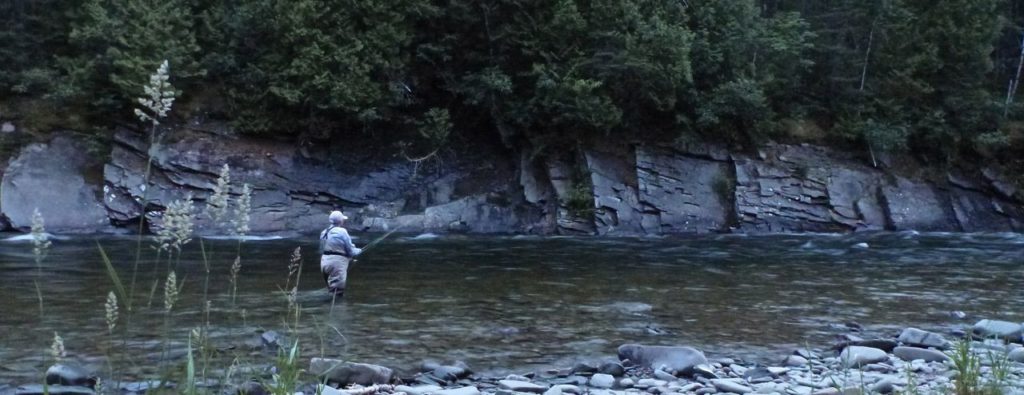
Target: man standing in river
337, 253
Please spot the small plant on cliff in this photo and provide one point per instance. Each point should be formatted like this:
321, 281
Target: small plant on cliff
579, 200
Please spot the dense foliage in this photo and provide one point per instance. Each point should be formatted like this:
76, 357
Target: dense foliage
934, 78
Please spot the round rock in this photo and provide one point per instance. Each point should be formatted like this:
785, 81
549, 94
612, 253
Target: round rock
914, 353
601, 380
857, 356
920, 338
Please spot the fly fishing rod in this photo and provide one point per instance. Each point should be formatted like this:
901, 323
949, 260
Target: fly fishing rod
380, 239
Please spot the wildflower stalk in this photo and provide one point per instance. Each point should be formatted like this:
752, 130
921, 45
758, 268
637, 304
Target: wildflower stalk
111, 309
178, 226
206, 306
40, 246
155, 106
57, 348
241, 229
170, 298
236, 268
291, 292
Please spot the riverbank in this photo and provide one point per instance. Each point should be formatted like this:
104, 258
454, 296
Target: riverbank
915, 362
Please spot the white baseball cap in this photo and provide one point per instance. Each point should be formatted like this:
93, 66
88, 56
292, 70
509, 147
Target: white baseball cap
337, 216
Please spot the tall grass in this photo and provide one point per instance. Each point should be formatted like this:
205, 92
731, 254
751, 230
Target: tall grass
223, 210
970, 379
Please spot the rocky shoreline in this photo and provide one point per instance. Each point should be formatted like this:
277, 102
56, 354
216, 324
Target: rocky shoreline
916, 362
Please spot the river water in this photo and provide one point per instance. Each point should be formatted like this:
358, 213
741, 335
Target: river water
513, 304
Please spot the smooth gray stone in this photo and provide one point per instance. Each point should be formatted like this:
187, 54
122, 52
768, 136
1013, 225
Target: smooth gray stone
451, 373
795, 361
418, 389
648, 383
673, 359
601, 380
64, 374
522, 386
469, 390
924, 339
857, 356
612, 368
730, 386
914, 353
884, 386
663, 375
345, 373
584, 368
38, 389
1016, 355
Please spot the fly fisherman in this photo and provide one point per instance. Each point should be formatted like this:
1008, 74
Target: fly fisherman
337, 252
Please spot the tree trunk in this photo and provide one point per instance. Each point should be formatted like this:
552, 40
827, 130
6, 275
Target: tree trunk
1011, 90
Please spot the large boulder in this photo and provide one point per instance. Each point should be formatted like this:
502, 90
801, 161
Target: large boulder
54, 178
346, 373
674, 359
1010, 331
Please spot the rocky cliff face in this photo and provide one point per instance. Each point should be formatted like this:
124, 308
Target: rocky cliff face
623, 190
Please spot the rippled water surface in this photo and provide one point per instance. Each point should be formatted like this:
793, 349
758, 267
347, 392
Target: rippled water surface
520, 303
